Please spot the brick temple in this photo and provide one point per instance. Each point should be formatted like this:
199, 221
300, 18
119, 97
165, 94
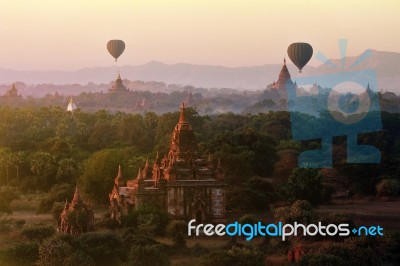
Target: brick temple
183, 183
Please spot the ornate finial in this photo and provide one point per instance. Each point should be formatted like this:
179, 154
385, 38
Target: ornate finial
118, 76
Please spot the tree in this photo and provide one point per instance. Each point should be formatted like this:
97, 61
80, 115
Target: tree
68, 170
43, 166
305, 184
100, 170
6, 197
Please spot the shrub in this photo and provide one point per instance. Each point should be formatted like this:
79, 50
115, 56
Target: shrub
130, 220
300, 211
357, 251
148, 255
388, 188
58, 193
103, 248
21, 254
6, 198
19, 223
178, 232
131, 240
321, 259
56, 211
6, 224
247, 219
54, 251
234, 257
152, 220
305, 184
108, 223
38, 232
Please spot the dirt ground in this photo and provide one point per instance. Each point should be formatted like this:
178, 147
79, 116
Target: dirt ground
385, 214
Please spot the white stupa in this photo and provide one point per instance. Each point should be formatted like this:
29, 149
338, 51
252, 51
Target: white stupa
71, 106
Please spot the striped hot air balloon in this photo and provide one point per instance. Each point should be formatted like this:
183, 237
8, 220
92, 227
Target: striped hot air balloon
115, 48
300, 53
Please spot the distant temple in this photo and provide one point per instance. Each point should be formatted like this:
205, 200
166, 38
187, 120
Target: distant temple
182, 183
118, 86
284, 81
12, 92
189, 100
76, 217
71, 106
275, 95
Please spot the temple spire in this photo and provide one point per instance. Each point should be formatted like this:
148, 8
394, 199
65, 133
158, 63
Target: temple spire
284, 61
139, 176
77, 197
119, 172
182, 117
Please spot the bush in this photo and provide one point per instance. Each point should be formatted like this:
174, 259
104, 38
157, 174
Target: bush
104, 248
6, 198
300, 211
38, 232
357, 251
152, 221
130, 240
19, 223
56, 211
148, 255
21, 254
305, 184
321, 259
58, 193
130, 220
247, 219
234, 257
388, 188
177, 230
108, 223
6, 224
54, 251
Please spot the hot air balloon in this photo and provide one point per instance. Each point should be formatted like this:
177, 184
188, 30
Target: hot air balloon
300, 53
115, 48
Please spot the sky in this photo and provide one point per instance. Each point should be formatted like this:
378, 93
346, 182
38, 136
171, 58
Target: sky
70, 35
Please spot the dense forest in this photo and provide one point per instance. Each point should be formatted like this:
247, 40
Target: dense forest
41, 148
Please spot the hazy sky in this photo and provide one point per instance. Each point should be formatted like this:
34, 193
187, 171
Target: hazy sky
72, 34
